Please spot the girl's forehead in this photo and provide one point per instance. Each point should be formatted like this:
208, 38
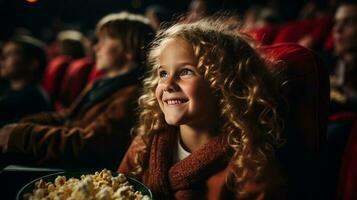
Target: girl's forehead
176, 50
176, 44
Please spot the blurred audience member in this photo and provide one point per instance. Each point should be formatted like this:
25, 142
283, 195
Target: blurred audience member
320, 15
157, 15
22, 63
197, 10
71, 44
262, 23
75, 75
258, 16
343, 105
344, 73
95, 131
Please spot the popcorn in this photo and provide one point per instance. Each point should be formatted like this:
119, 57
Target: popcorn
98, 186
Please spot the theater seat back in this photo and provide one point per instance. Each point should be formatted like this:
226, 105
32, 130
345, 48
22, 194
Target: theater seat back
74, 81
264, 35
347, 187
306, 91
94, 75
53, 75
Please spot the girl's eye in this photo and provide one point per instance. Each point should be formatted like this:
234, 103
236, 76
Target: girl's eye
163, 74
186, 72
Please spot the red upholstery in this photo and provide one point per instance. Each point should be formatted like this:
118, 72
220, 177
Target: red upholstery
294, 31
54, 74
264, 35
94, 75
342, 116
322, 28
329, 42
348, 177
307, 92
73, 82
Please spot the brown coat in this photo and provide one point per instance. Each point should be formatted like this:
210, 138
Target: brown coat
95, 137
202, 175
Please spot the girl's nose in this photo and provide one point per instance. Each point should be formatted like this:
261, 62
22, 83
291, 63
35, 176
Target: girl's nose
170, 84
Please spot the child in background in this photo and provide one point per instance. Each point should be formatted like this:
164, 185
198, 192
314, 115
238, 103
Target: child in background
22, 63
209, 118
95, 131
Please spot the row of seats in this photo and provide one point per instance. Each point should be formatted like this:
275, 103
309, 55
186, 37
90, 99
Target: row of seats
319, 30
65, 78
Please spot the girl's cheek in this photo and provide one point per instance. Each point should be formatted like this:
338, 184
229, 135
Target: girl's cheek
158, 92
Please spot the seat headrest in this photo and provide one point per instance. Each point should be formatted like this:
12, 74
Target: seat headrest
306, 91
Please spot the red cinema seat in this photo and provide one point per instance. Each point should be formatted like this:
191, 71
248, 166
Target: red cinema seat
264, 35
94, 75
347, 189
306, 91
294, 31
329, 42
347, 180
317, 29
74, 80
54, 74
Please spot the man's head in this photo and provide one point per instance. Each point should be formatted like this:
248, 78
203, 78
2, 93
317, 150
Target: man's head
23, 58
345, 28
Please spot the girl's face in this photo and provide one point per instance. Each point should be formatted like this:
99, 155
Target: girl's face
184, 96
109, 53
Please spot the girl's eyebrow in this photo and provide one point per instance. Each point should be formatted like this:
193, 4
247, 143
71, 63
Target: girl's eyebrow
159, 68
179, 65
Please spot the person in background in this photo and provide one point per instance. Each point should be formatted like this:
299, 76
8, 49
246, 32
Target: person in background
343, 78
23, 61
71, 44
343, 95
157, 15
197, 10
95, 130
210, 122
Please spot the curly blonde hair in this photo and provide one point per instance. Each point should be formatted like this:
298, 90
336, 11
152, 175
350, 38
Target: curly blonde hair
238, 77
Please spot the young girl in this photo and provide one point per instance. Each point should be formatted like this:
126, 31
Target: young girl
209, 124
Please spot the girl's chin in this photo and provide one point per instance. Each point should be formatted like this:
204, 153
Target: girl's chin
174, 122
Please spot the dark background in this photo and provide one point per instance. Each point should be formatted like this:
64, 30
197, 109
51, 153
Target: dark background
44, 15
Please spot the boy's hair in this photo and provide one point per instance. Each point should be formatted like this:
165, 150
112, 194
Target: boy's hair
133, 31
247, 95
32, 49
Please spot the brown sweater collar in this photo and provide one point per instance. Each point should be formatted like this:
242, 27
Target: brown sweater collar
166, 178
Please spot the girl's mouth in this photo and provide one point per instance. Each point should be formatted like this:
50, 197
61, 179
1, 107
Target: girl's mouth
175, 101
